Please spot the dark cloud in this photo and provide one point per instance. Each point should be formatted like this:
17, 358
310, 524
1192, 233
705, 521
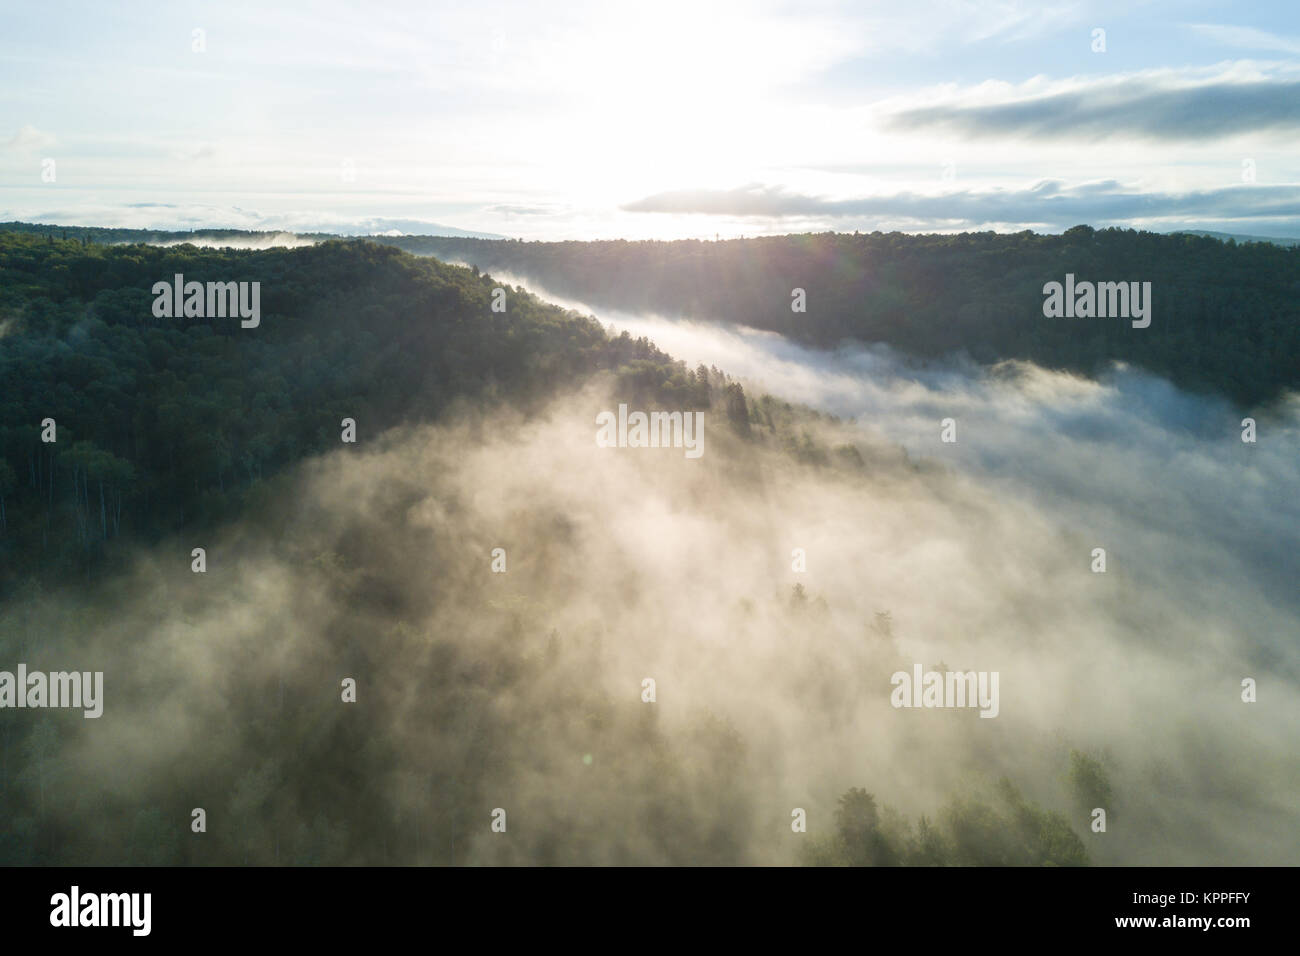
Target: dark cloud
1137, 108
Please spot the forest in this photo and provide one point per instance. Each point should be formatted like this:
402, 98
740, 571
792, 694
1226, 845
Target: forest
165, 423
1226, 315
171, 431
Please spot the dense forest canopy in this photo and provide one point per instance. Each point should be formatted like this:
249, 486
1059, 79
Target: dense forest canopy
175, 430
1226, 313
521, 689
1225, 317
162, 423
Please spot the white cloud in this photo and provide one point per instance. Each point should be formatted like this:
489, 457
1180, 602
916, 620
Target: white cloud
29, 139
1247, 38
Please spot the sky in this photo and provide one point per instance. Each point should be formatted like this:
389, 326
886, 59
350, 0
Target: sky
668, 120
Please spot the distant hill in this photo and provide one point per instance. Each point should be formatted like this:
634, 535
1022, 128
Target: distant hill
1237, 237
1225, 318
237, 237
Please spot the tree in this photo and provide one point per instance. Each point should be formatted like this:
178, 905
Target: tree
857, 824
1089, 785
737, 408
929, 847
8, 482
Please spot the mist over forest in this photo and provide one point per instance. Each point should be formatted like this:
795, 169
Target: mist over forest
1223, 313
826, 539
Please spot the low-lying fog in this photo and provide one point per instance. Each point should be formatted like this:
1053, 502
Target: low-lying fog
523, 690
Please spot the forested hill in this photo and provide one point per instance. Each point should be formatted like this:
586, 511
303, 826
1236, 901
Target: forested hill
169, 423
169, 426
1225, 316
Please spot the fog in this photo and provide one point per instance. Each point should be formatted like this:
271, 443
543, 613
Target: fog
1128, 460
268, 240
523, 690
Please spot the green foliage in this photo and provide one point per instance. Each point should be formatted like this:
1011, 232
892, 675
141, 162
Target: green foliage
1225, 316
1001, 829
171, 423
177, 424
181, 424
857, 827
1089, 783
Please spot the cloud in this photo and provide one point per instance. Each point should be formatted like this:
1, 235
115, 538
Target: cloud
194, 152
1142, 107
269, 240
30, 139
1048, 203
512, 209
200, 216
1247, 38
754, 199
375, 226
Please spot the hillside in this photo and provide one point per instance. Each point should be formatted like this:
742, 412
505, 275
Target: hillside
322, 559
1225, 317
168, 423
